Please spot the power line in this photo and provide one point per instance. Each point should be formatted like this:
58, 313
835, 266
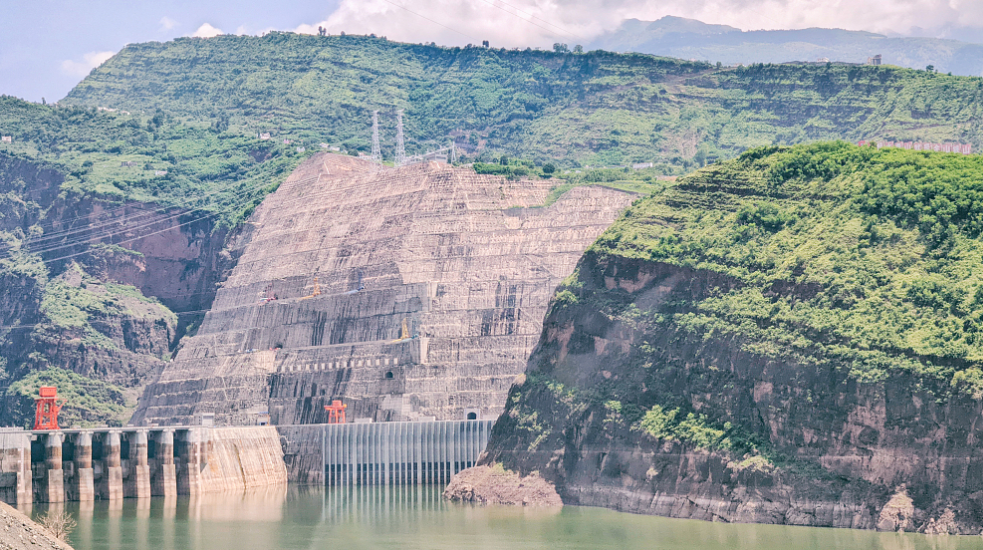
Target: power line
568, 33
431, 20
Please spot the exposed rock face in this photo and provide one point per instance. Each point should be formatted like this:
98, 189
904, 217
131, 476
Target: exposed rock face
68, 265
465, 262
495, 485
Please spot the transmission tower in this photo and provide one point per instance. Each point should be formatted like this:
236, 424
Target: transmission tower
376, 152
400, 151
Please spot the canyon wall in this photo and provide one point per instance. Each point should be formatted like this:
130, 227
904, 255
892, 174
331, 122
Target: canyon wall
88, 292
760, 344
409, 293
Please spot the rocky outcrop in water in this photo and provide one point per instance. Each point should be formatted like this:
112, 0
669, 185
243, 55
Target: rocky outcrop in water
408, 293
496, 485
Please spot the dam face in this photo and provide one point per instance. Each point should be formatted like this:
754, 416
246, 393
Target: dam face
413, 293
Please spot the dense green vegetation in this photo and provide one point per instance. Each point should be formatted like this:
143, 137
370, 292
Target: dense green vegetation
594, 108
790, 291
115, 156
888, 241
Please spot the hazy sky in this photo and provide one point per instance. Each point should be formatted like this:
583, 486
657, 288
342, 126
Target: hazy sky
47, 46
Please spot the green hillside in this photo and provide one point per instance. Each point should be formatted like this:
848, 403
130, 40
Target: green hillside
593, 108
795, 310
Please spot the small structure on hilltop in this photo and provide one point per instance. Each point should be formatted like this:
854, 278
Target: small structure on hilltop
876, 60
46, 409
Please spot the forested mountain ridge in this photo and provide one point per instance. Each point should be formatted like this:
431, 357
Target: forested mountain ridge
591, 108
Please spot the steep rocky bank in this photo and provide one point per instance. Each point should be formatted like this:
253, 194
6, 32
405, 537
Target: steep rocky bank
89, 290
20, 533
766, 342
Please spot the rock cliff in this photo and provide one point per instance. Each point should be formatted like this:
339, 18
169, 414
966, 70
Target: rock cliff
79, 310
407, 292
790, 337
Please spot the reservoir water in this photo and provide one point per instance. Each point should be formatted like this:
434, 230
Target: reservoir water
415, 518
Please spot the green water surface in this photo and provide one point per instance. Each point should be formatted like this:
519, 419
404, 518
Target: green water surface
312, 518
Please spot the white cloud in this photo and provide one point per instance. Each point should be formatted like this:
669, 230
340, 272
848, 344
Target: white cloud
89, 61
241, 31
206, 31
541, 22
166, 23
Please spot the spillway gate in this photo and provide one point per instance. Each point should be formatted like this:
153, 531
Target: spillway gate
400, 453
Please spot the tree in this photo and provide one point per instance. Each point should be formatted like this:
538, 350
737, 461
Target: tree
504, 161
560, 48
61, 524
578, 49
549, 169
930, 68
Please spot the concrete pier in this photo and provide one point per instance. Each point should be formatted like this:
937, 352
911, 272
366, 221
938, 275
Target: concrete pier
137, 481
189, 452
109, 471
15, 467
164, 479
52, 482
82, 484
136, 462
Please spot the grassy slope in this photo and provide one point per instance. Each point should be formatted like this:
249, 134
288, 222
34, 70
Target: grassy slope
594, 108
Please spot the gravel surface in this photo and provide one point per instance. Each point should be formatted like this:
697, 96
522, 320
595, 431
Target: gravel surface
18, 532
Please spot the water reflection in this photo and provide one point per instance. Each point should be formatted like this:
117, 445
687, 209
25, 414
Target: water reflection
311, 518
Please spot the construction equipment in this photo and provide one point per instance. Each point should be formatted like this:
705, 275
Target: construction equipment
360, 286
336, 412
315, 292
47, 407
270, 296
404, 333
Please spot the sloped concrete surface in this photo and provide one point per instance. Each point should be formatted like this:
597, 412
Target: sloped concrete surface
466, 262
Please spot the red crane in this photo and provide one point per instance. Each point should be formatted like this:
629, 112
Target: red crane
336, 412
47, 407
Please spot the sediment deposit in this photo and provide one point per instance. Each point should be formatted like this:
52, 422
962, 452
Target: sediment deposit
408, 293
496, 485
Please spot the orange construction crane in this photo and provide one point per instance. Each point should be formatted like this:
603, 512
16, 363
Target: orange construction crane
336, 412
315, 292
47, 407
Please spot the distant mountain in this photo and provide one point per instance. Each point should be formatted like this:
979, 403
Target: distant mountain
691, 39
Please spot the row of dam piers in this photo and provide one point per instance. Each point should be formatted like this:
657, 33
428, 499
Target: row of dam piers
115, 463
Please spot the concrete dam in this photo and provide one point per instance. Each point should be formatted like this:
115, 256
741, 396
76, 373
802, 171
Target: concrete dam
115, 463
412, 294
